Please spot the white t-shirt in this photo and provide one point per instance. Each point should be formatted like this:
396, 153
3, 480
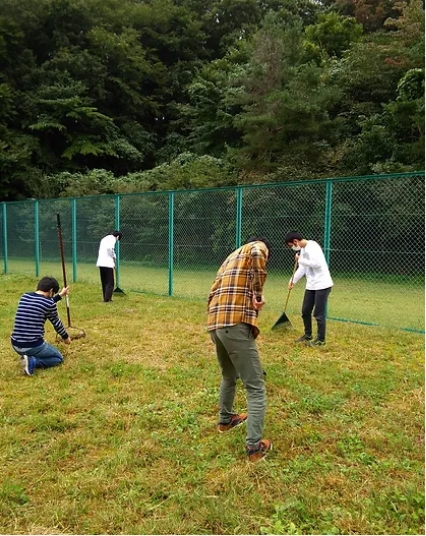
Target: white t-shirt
313, 265
106, 255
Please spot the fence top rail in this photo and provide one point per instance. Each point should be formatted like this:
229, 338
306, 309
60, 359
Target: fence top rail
237, 187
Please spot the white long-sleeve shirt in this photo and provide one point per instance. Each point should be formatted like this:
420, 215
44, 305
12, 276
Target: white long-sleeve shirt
106, 255
313, 265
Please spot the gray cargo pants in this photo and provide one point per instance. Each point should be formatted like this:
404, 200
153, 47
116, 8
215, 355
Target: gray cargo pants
238, 358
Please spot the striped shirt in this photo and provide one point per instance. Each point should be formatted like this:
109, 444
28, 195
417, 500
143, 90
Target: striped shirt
241, 276
33, 311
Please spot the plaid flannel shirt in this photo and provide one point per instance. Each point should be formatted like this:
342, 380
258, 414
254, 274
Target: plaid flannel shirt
241, 276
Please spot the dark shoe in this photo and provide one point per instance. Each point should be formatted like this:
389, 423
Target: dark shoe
316, 342
28, 365
255, 455
236, 420
303, 338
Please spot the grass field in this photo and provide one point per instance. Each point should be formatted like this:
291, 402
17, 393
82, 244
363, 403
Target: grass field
387, 302
121, 438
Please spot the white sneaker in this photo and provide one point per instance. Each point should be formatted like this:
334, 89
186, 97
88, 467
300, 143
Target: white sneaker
27, 363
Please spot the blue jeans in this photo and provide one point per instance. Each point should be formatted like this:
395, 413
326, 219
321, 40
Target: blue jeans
44, 356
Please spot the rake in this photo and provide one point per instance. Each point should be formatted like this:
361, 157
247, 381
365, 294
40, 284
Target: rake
74, 333
284, 321
118, 291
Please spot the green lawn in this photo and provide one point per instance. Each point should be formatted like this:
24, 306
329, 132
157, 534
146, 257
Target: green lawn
121, 438
379, 301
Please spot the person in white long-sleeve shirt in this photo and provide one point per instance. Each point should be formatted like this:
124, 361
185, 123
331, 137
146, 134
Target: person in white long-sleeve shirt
312, 265
106, 263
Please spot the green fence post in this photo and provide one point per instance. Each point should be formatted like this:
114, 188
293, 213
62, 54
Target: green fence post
74, 239
5, 260
238, 225
171, 243
327, 225
327, 218
37, 238
117, 226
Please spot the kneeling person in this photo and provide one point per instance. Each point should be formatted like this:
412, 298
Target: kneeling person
27, 338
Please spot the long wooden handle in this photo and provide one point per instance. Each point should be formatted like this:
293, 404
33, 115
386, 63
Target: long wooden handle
291, 281
61, 247
64, 273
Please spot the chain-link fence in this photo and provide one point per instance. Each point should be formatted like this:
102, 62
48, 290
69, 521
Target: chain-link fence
371, 230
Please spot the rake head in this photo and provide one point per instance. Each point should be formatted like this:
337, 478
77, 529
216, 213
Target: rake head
74, 333
119, 292
282, 322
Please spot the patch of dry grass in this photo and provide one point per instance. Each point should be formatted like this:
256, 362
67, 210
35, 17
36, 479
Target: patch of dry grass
121, 439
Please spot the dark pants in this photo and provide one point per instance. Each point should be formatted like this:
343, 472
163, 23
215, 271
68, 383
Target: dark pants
316, 301
107, 280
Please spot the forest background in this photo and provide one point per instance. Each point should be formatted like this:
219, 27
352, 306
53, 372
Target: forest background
117, 96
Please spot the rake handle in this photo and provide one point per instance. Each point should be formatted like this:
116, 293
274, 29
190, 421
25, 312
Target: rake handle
291, 281
64, 273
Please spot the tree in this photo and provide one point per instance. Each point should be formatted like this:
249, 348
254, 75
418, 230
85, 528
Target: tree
394, 139
409, 32
285, 100
370, 13
333, 33
209, 115
383, 121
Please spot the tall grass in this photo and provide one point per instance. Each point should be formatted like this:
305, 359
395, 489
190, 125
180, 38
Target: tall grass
121, 439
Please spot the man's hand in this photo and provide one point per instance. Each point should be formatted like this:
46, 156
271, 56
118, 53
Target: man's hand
67, 341
64, 292
290, 285
258, 303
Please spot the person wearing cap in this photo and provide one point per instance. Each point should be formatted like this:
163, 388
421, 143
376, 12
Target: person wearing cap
312, 265
106, 263
235, 299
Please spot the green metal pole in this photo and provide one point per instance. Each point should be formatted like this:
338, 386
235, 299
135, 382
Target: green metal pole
74, 239
117, 226
327, 219
327, 225
5, 259
37, 238
238, 226
171, 244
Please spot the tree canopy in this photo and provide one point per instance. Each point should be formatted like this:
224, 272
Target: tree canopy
156, 94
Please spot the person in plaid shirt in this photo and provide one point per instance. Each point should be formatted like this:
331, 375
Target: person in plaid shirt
234, 302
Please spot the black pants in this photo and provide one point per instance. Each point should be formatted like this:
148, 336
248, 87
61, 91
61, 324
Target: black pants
107, 280
315, 300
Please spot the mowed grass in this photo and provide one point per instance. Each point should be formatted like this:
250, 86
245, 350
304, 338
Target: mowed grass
121, 438
391, 302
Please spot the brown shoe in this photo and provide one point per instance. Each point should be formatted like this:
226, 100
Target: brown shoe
254, 455
236, 420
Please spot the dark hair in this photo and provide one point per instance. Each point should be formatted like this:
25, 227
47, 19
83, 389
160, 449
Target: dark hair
118, 234
261, 239
48, 283
291, 236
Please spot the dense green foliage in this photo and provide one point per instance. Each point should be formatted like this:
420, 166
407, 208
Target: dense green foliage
160, 94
